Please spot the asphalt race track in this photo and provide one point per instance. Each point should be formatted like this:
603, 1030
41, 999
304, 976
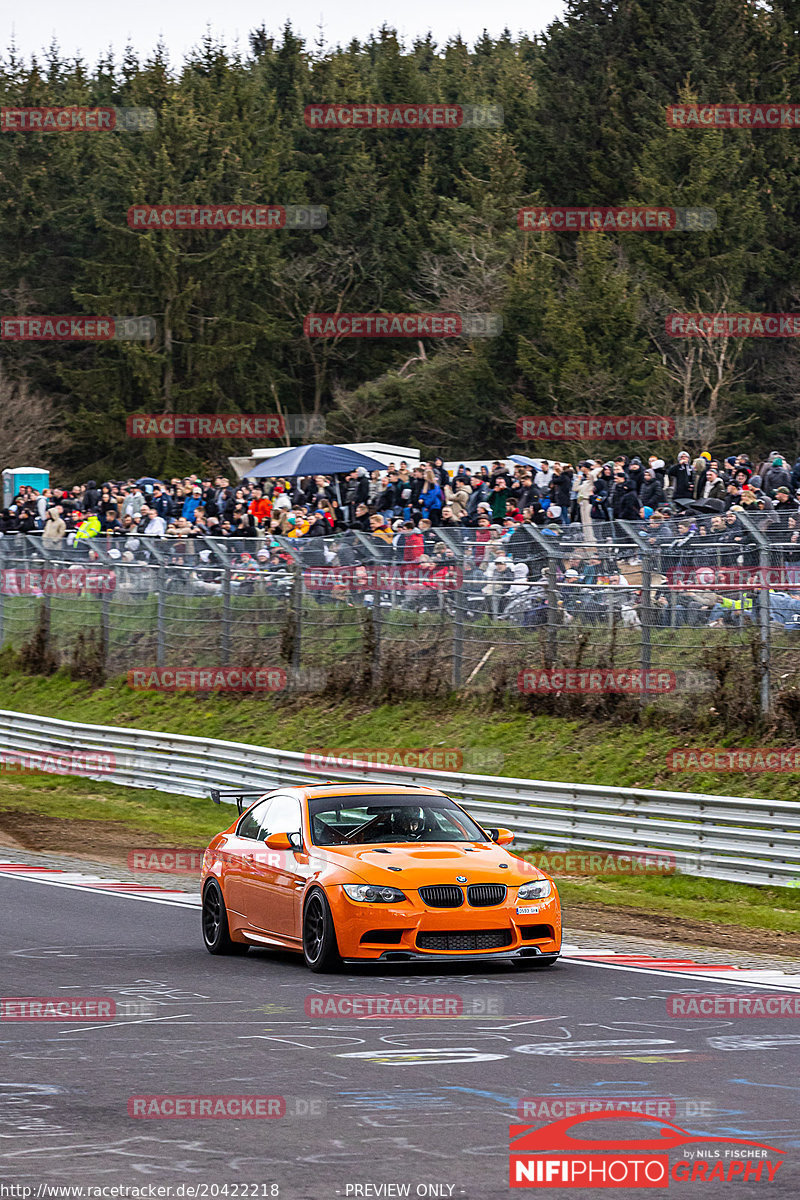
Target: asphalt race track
421, 1104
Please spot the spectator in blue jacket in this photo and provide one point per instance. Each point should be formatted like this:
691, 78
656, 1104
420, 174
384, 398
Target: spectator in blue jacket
161, 502
432, 498
191, 503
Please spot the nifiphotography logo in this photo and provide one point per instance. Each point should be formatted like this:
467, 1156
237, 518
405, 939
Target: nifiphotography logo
553, 1156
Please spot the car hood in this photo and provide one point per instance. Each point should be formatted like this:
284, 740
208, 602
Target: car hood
430, 863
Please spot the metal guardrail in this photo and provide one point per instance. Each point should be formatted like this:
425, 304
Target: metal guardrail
741, 839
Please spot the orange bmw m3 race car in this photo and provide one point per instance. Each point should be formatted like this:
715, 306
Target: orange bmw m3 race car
373, 873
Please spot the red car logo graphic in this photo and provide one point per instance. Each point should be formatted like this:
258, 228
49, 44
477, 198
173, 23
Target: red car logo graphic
532, 1139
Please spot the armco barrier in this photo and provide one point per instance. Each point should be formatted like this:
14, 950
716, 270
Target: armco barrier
741, 839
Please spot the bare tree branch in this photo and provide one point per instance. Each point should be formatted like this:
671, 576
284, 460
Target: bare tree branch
30, 429
421, 357
703, 371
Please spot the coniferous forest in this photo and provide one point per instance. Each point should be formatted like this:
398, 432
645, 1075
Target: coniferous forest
417, 221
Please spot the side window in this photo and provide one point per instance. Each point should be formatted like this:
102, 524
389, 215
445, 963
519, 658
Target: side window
283, 817
251, 821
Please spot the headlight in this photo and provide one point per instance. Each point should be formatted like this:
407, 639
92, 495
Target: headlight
373, 895
538, 890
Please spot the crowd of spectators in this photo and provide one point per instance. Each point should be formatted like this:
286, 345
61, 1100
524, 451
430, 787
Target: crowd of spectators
547, 493
687, 513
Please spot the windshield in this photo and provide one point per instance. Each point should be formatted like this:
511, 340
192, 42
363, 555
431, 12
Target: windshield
361, 820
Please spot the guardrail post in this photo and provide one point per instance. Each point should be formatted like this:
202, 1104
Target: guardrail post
46, 612
297, 606
105, 626
552, 611
225, 644
377, 620
459, 608
763, 609
765, 629
551, 646
161, 600
646, 611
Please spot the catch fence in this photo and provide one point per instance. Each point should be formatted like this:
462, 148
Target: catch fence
670, 604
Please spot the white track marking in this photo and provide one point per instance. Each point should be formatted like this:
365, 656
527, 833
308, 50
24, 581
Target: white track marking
94, 884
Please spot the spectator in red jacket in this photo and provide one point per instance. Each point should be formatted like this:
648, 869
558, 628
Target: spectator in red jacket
412, 543
260, 507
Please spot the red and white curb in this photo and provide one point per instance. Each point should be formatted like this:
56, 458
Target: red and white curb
719, 972
99, 884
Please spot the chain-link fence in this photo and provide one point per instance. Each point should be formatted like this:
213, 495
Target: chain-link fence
663, 607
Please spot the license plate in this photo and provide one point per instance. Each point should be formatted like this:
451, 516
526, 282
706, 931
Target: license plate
524, 912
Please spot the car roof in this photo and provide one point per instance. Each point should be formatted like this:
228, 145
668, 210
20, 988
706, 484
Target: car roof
313, 791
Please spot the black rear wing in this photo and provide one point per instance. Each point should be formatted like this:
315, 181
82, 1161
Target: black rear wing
217, 796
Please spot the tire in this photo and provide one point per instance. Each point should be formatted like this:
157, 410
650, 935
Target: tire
216, 933
320, 949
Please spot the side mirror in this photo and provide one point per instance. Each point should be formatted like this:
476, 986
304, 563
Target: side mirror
503, 837
278, 841
284, 841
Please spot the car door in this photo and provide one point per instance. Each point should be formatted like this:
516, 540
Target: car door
276, 878
238, 853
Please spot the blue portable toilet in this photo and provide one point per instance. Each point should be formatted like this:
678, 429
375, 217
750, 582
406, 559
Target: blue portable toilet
16, 477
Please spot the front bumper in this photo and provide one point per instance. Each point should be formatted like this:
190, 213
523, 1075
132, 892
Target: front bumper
389, 933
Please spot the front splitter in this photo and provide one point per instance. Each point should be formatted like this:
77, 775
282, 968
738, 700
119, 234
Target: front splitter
523, 954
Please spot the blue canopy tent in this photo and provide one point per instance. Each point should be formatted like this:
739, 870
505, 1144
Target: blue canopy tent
313, 460
522, 460
316, 459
